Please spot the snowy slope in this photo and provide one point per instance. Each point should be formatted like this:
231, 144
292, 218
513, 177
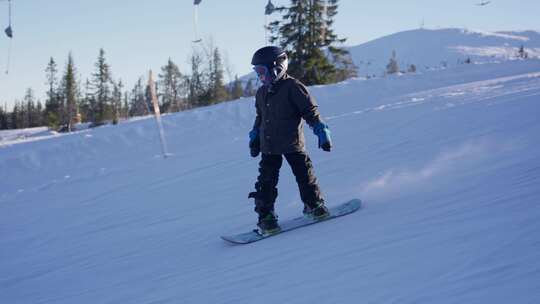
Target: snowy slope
447, 162
8, 137
434, 48
430, 49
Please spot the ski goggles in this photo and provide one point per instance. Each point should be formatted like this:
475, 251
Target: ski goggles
263, 73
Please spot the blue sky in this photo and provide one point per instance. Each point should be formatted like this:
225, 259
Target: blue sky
142, 35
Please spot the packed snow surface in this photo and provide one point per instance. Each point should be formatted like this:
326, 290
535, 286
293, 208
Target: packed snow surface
446, 162
9, 137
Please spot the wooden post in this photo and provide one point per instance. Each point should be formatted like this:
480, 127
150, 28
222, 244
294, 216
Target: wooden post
157, 114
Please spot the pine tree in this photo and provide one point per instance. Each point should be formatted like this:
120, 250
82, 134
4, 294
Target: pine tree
306, 33
212, 88
27, 106
15, 119
522, 53
216, 87
102, 91
3, 119
171, 87
237, 91
116, 101
52, 103
69, 94
392, 67
345, 67
125, 107
195, 81
30, 111
26, 109
87, 105
38, 115
138, 106
148, 102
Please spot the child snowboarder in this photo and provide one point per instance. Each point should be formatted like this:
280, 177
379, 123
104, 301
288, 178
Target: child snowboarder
281, 103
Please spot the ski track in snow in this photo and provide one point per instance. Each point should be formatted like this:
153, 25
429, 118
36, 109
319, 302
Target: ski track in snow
481, 91
447, 163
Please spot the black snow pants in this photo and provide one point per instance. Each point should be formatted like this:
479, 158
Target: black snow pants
266, 185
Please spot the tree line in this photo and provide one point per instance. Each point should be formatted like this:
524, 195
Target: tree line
304, 31
102, 99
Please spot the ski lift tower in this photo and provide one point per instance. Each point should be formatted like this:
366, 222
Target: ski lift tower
196, 3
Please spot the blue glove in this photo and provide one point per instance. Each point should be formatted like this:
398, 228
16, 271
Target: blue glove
254, 142
323, 133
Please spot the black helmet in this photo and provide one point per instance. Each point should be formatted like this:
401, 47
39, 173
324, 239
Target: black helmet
267, 56
272, 57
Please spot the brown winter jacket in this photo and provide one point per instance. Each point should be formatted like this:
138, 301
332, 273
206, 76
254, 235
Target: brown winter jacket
279, 115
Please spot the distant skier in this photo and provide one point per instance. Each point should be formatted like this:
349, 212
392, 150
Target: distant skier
281, 103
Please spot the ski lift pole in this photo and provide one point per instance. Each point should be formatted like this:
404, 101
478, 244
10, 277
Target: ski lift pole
9, 33
157, 114
8, 63
196, 20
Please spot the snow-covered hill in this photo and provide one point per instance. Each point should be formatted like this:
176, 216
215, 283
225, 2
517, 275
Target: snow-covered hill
431, 49
436, 48
447, 163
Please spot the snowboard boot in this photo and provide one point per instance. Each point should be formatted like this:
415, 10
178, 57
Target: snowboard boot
316, 211
268, 223
265, 209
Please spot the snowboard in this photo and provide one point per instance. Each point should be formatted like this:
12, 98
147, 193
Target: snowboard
295, 223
